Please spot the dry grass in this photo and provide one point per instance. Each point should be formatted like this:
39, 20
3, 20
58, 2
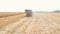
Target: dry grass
4, 14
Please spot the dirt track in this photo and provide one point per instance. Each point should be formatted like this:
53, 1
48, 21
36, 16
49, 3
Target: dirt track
40, 23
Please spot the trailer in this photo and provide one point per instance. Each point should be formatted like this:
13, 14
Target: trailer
29, 13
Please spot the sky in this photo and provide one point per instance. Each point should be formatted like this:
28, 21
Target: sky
35, 5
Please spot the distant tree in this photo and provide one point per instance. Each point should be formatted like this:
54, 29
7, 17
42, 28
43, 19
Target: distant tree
57, 11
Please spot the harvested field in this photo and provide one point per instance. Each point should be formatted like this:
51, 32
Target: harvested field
40, 23
4, 14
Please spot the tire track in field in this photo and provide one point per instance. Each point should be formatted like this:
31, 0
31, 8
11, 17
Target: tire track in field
22, 29
30, 29
56, 25
17, 29
51, 23
11, 26
8, 20
44, 25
